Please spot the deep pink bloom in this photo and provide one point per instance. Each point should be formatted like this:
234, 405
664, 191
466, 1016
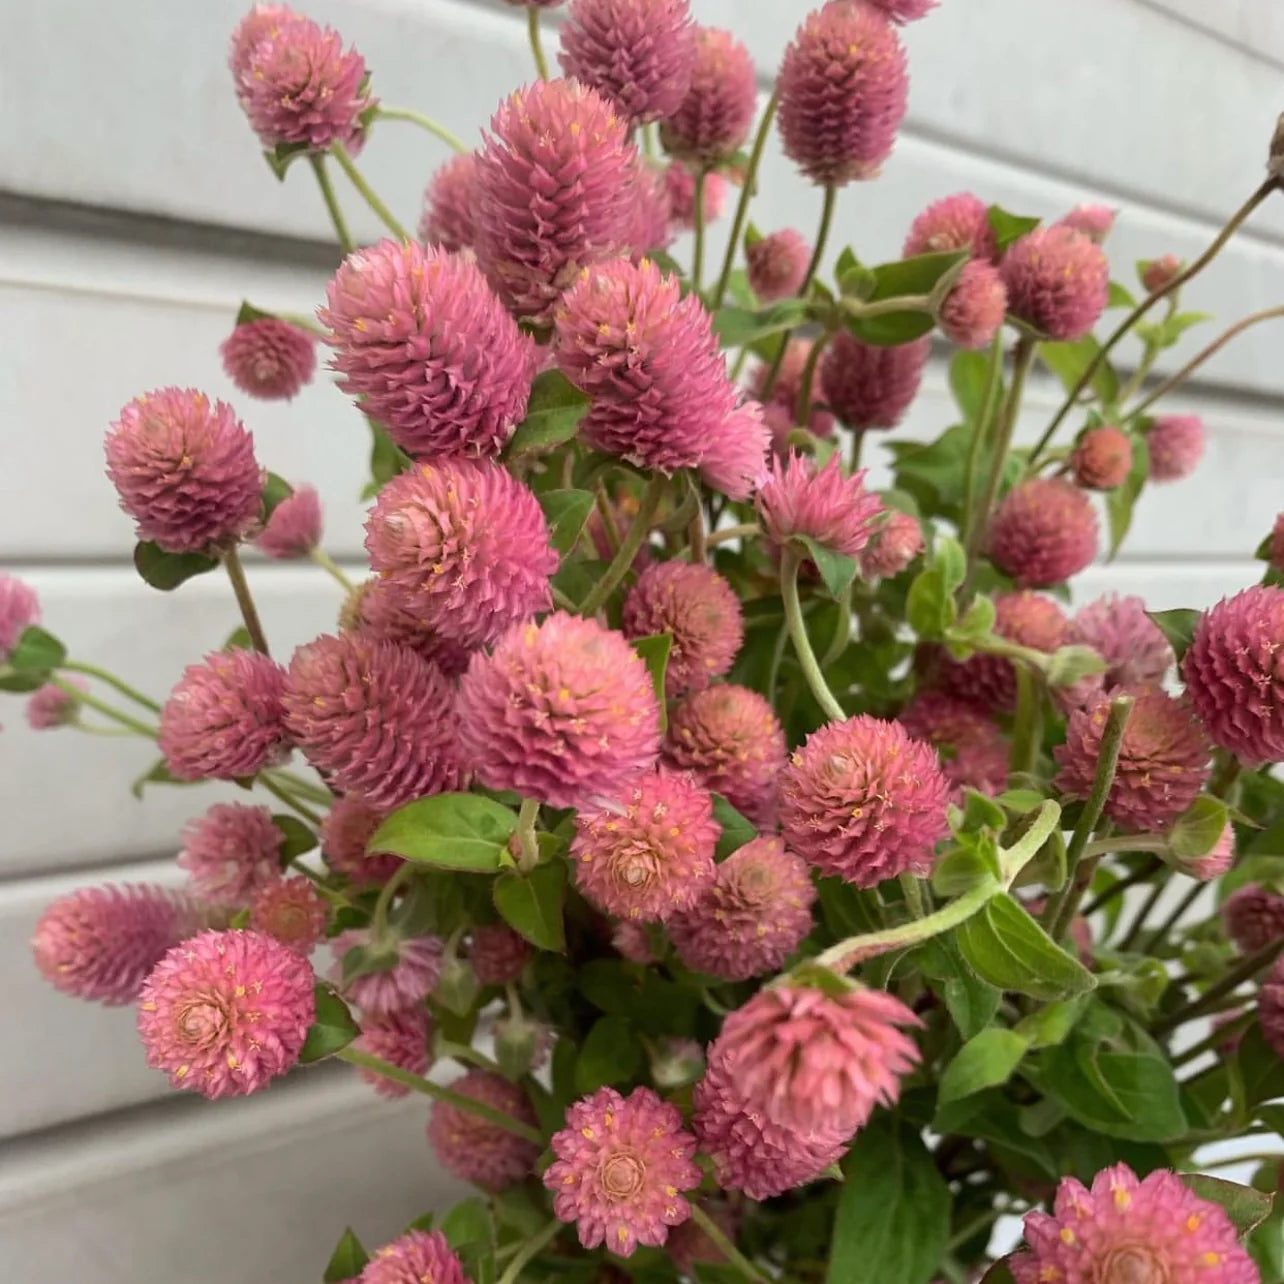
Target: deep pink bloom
638, 53
1176, 444
449, 218
785, 392
737, 452
476, 1150
1253, 916
1145, 1231
680, 185
715, 117
621, 1167
224, 720
731, 738
185, 470
294, 527
698, 609
1043, 532
1057, 281
418, 1255
1103, 458
563, 711
19, 609
905, 10
812, 1061
648, 852
421, 340
753, 917
797, 498
1270, 1007
777, 263
1131, 643
403, 1039
269, 358
974, 754
225, 1012
347, 828
1093, 221
498, 954
974, 309
556, 193
291, 911
384, 610
955, 222
1234, 672
100, 943
894, 545
373, 717
868, 386
262, 20
50, 706
1158, 272
231, 851
844, 87
462, 545
406, 984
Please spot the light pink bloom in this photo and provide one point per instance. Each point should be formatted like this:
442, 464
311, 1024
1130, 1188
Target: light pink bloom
476, 1150
797, 498
717, 113
449, 219
777, 263
680, 185
294, 528
1176, 444
1057, 281
51, 706
417, 1255
1043, 532
19, 609
404, 985
955, 222
973, 311
232, 851
974, 754
895, 544
269, 358
346, 830
1094, 221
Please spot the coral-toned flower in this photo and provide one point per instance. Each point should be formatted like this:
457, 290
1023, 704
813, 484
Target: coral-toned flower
464, 546
905, 10
291, 911
418, 1256
99, 943
225, 1012
868, 386
974, 754
1057, 281
232, 851
621, 1166
737, 452
374, 717
19, 610
563, 711
410, 980
1157, 273
294, 527
224, 720
498, 954
1103, 458
785, 392
269, 358
1125, 1229
556, 193
812, 1061
476, 1150
403, 1039
680, 185
796, 498
844, 87
1163, 758
731, 738
1253, 917
896, 542
974, 309
185, 470
701, 613
1233, 674
261, 21
1176, 444
715, 116
638, 53
346, 830
52, 706
384, 610
420, 338
777, 264
1127, 639
753, 917
1043, 532
1270, 1007
1094, 221
449, 218
958, 222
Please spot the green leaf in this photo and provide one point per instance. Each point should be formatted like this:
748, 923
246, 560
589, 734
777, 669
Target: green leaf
468, 1223
552, 415
736, 830
1197, 830
1068, 664
837, 570
855, 281
986, 1061
1260, 1066
332, 1028
347, 1261
1119, 297
531, 904
1052, 1024
1008, 227
1068, 361
930, 608
387, 459
610, 1055
451, 831
157, 774
1245, 1206
999, 1273
892, 329
37, 650
362, 960
166, 571
21, 683
1178, 626
918, 275
276, 490
903, 278
654, 650
978, 620
249, 312
566, 512
238, 640
282, 156
737, 327
296, 837
1164, 334
949, 556
1121, 501
969, 374
934, 472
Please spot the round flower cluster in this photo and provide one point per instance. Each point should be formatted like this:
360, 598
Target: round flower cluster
472, 1147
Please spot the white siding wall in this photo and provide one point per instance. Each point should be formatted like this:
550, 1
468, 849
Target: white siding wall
137, 213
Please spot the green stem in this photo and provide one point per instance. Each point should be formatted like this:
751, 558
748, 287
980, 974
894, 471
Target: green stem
93, 671
802, 411
528, 844
331, 567
1150, 354
842, 631
346, 243
465, 1055
1143, 913
371, 197
277, 790
533, 1246
697, 259
631, 542
913, 892
241, 587
728, 533
304, 788
742, 205
99, 706
537, 45
1120, 886
379, 916
790, 560
1027, 731
970, 1229
725, 1246
1215, 1038
1233, 979
989, 404
424, 122
1173, 916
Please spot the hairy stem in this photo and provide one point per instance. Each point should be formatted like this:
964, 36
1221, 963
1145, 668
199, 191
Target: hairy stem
802, 411
331, 567
1118, 888
346, 243
369, 195
631, 542
241, 587
989, 404
725, 1246
100, 706
527, 843
790, 560
93, 671
742, 205
1231, 982
537, 45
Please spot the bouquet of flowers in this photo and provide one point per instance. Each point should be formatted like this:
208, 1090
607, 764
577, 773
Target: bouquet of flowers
765, 877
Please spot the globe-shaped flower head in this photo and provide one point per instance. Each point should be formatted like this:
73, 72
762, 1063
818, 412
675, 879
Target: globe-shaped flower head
1043, 532
1131, 643
974, 754
973, 311
1253, 916
290, 910
1103, 458
231, 851
777, 264
868, 386
679, 187
715, 116
402, 1039
449, 219
473, 1148
1270, 1007
345, 831
796, 498
1157, 273
897, 541
498, 954
417, 1255
261, 21
269, 358
1176, 444
958, 222
19, 610
294, 527
1093, 221
1057, 281
414, 968
52, 705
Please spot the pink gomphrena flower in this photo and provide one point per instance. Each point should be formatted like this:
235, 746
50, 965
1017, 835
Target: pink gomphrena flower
449, 218
224, 720
269, 358
974, 754
556, 193
653, 226
1127, 1229
1163, 759
1157, 273
1270, 1008
1233, 677
403, 1039
291, 911
621, 1167
737, 452
1103, 458
973, 311
864, 801
261, 21
1253, 917
637, 53
185, 471
648, 853
1093, 221
905, 10
1212, 864
753, 917
868, 386
384, 610
701, 613
226, 1012
631, 941
464, 546
563, 711
498, 954
51, 706
844, 87
19, 610
1176, 444
958, 222
418, 1255
232, 851
99, 943
797, 498
345, 832
730, 737
406, 984
785, 392
293, 528
476, 1150
374, 718
814, 1061
421, 340
777, 263
1043, 532
894, 545
1057, 281
1127, 639
680, 185
715, 117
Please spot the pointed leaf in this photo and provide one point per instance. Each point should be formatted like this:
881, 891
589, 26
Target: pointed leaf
531, 904
1178, 626
451, 831
836, 569
297, 838
985, 1061
37, 651
347, 1261
166, 571
1245, 1206
655, 650
248, 312
553, 414
1009, 227
1121, 501
275, 491
332, 1028
566, 512
736, 830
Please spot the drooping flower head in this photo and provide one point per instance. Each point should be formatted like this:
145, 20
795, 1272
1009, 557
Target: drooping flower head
1043, 532
420, 338
896, 542
714, 118
346, 830
1131, 643
476, 1150
958, 222
1093, 221
294, 527
797, 498
974, 754
224, 720
563, 711
185, 470
680, 185
973, 311
19, 610
52, 706
777, 264
406, 984
785, 392
1103, 458
1253, 916
621, 1167
868, 386
226, 1012
865, 801
417, 1255
402, 1038
231, 851
1057, 281
291, 911
1270, 1007
1176, 444
736, 453
498, 954
269, 358
449, 218
844, 87
1157, 273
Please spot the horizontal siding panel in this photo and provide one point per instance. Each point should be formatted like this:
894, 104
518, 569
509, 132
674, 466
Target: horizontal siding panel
1256, 26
